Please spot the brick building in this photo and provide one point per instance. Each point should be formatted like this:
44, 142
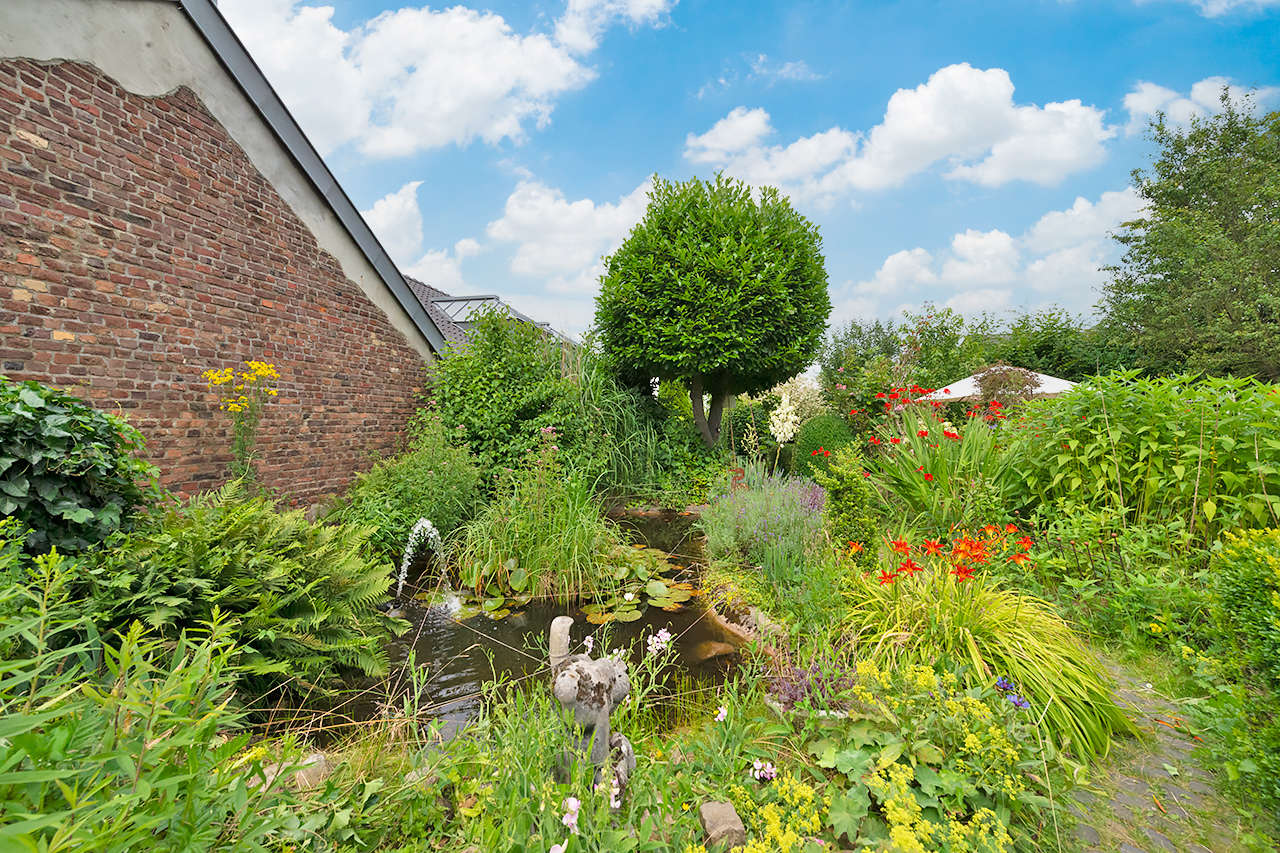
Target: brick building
161, 213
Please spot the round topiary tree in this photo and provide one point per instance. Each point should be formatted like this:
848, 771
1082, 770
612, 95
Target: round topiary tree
720, 287
817, 439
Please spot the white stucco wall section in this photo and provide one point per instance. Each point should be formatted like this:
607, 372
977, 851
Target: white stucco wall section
150, 48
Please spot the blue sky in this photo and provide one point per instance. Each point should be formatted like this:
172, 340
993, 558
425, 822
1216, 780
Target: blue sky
973, 159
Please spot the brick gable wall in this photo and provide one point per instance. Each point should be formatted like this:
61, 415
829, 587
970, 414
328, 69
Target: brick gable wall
140, 246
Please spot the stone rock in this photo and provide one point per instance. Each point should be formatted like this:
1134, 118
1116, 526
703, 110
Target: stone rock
315, 769
1087, 834
1129, 848
708, 649
722, 825
1159, 840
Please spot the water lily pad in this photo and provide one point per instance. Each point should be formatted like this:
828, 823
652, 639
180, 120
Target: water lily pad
627, 615
672, 608
660, 602
592, 609
656, 589
679, 595
499, 614
621, 573
599, 618
518, 600
519, 579
492, 604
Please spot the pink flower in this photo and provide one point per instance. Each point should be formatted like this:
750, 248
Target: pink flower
721, 714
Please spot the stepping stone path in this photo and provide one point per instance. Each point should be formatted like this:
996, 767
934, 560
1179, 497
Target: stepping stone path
1152, 795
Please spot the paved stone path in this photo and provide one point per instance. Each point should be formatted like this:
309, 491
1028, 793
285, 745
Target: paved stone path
1153, 795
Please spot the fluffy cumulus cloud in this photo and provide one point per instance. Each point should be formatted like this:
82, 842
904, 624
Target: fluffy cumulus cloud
1056, 261
396, 219
1204, 99
442, 268
412, 79
962, 117
561, 241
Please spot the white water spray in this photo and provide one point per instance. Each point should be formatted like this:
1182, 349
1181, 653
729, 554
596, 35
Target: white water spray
423, 529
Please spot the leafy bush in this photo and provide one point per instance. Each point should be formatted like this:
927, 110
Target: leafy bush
304, 595
1202, 451
922, 758
542, 535
1247, 583
944, 611
433, 480
817, 439
851, 502
68, 472
138, 761
770, 523
946, 476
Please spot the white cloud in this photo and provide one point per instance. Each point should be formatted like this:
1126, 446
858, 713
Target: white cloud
442, 268
796, 70
1216, 8
1204, 99
397, 220
1057, 260
412, 79
562, 241
758, 70
962, 117
584, 21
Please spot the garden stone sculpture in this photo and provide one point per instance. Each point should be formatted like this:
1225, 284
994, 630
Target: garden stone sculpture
591, 689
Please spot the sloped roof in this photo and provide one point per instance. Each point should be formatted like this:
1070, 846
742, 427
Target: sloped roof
222, 40
967, 388
453, 314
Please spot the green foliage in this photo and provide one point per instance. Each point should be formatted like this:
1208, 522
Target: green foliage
304, 595
1196, 289
924, 758
1202, 453
1247, 583
68, 472
850, 510
816, 440
771, 522
972, 475
542, 535
433, 480
718, 286
136, 758
1056, 344
937, 610
496, 392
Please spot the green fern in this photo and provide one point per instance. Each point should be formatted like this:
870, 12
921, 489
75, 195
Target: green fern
304, 595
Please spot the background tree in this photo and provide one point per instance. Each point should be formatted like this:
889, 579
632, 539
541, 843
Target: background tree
1199, 284
720, 287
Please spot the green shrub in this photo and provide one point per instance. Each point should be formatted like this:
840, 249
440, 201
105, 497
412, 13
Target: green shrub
542, 535
1246, 575
818, 437
932, 608
304, 595
433, 480
137, 759
943, 476
1202, 452
771, 522
68, 472
850, 510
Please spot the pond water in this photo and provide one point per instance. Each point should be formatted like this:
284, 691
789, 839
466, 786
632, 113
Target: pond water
456, 657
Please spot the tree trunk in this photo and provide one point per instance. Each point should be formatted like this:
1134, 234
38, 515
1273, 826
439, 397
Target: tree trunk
708, 425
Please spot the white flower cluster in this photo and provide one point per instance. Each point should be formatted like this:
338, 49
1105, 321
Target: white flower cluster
784, 422
659, 641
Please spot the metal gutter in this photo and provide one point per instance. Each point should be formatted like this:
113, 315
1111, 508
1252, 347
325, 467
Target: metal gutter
215, 30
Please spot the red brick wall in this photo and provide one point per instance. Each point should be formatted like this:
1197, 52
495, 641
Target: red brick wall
140, 246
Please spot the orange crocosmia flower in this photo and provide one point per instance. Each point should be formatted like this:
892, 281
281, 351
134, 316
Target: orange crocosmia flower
932, 547
990, 529
886, 578
1011, 528
1019, 558
909, 567
1025, 542
855, 547
901, 546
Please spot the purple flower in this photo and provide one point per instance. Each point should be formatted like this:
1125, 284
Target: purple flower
1003, 683
1018, 702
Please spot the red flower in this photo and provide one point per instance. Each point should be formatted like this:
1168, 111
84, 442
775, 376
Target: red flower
952, 435
895, 395
1019, 558
901, 546
886, 578
990, 529
929, 477
923, 433
946, 390
875, 440
909, 567
1011, 528
932, 547
814, 453
962, 573
1025, 542
855, 547
866, 473
895, 441
825, 452
881, 396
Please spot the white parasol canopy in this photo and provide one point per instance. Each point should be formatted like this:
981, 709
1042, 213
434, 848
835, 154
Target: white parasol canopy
967, 388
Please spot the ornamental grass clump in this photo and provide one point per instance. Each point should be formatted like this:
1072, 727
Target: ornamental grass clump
935, 602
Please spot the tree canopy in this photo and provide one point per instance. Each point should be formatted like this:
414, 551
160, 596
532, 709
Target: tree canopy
721, 287
1199, 284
